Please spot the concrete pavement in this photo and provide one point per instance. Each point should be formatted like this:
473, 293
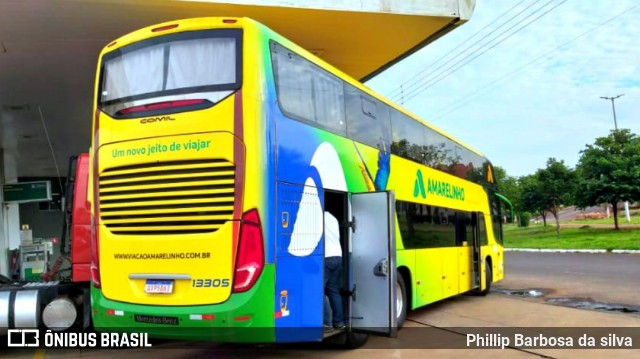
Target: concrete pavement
502, 311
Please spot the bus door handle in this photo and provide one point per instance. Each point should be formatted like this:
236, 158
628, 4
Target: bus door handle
382, 268
351, 224
349, 293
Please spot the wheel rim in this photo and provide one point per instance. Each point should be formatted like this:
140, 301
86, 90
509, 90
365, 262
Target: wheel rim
399, 300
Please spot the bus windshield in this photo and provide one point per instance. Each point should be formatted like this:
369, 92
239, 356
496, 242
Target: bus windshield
200, 64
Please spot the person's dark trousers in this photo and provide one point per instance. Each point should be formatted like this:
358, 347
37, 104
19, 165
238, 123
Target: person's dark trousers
332, 269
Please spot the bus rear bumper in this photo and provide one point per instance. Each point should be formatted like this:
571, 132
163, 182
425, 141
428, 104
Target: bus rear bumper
244, 317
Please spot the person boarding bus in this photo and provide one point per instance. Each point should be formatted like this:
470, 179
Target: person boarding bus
332, 269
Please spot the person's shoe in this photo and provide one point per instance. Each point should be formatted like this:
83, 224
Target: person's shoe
328, 328
338, 326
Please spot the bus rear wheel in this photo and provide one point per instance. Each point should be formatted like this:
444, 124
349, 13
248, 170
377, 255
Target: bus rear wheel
488, 278
355, 340
401, 300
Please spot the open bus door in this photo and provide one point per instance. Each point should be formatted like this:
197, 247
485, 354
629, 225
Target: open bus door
373, 270
477, 258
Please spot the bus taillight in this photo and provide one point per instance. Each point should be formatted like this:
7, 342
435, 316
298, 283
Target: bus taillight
250, 258
160, 106
94, 268
164, 28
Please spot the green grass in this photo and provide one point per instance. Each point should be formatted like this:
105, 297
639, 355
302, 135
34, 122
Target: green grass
537, 236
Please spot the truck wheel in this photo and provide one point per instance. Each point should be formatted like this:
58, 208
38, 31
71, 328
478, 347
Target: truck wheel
401, 300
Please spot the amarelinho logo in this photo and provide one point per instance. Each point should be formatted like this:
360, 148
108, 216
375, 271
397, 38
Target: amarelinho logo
435, 187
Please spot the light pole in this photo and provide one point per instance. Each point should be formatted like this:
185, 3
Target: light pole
613, 106
615, 123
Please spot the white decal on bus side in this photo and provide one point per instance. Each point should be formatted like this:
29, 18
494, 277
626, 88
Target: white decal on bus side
308, 227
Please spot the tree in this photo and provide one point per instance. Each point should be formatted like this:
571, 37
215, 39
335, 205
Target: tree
548, 189
609, 171
558, 187
531, 197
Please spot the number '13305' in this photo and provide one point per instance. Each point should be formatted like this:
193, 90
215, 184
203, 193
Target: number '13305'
206, 283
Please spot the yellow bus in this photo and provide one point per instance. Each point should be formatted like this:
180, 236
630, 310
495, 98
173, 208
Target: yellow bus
218, 145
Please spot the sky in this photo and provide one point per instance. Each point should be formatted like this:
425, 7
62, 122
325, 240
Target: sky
521, 81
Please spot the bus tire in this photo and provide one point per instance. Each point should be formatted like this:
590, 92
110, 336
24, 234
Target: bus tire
488, 278
401, 300
355, 340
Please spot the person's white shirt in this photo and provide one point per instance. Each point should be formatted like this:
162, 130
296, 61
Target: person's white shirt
332, 246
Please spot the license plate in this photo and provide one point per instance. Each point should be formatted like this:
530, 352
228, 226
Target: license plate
153, 319
158, 286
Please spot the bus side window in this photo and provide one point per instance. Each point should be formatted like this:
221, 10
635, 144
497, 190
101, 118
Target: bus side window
465, 228
407, 138
328, 100
482, 230
308, 93
294, 84
461, 232
496, 218
423, 226
369, 107
471, 224
367, 118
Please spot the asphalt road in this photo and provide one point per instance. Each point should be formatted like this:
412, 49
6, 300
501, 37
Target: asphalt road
570, 213
610, 278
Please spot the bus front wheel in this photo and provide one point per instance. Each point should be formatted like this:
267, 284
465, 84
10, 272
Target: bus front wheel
401, 300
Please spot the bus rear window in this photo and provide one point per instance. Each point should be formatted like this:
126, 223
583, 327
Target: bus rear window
199, 64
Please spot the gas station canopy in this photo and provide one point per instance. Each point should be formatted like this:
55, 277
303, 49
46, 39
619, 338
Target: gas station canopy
49, 50
361, 38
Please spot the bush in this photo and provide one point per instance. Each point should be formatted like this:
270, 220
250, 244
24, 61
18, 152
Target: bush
523, 219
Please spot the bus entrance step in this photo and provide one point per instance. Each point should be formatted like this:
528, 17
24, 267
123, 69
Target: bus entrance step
332, 332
